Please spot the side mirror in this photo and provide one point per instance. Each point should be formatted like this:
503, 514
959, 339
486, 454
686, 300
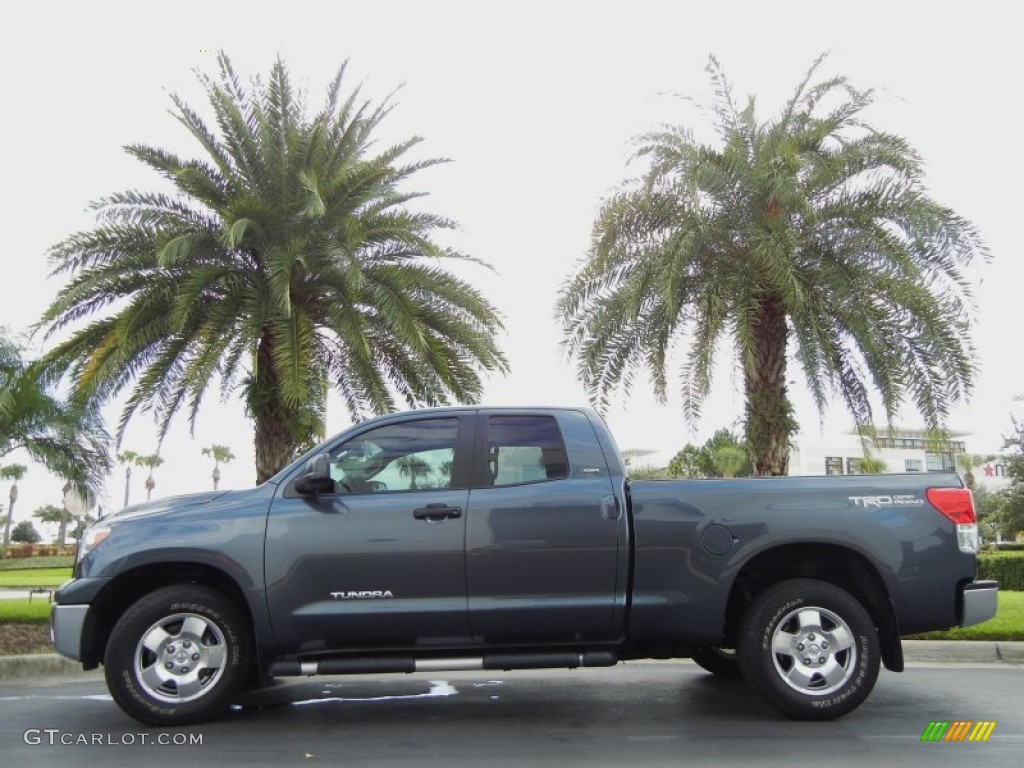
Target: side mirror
317, 478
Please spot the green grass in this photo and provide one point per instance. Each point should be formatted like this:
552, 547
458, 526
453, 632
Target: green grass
33, 563
34, 577
1008, 623
24, 612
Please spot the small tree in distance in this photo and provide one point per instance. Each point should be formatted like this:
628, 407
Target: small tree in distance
13, 472
151, 462
872, 465
25, 533
729, 460
219, 453
50, 513
128, 458
969, 462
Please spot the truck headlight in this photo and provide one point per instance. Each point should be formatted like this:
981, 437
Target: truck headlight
92, 538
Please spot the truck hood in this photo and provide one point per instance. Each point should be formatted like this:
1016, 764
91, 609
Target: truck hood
167, 504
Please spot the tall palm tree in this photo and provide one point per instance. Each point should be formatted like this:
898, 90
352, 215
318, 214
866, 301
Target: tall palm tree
151, 462
219, 453
128, 458
13, 472
288, 260
810, 228
68, 440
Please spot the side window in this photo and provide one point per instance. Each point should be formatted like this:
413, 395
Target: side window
524, 449
413, 456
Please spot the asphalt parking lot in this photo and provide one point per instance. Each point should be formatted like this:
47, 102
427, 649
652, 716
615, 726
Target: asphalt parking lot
636, 714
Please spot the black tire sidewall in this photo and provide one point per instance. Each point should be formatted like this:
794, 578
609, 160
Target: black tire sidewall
124, 638
756, 658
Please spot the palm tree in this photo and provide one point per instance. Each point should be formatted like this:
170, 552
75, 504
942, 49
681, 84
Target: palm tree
810, 227
13, 472
49, 513
151, 462
872, 465
128, 458
415, 469
219, 453
289, 261
968, 463
68, 440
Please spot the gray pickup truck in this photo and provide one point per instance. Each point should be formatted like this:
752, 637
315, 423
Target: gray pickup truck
499, 539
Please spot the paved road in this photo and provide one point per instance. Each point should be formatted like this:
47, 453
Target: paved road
639, 714
22, 593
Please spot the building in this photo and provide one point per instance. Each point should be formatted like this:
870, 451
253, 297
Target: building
902, 450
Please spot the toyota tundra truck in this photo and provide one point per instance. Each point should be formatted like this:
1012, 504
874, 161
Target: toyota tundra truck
500, 539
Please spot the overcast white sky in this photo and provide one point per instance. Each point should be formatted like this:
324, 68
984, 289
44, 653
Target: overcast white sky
535, 102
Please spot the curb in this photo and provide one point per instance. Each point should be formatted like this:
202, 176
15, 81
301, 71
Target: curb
41, 665
914, 651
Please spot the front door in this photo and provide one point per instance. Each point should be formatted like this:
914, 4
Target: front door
381, 561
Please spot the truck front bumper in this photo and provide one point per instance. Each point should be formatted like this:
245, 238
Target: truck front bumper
978, 602
67, 628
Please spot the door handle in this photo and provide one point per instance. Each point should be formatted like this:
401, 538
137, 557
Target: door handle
437, 512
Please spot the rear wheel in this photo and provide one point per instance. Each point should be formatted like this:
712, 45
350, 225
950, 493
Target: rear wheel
177, 656
810, 649
721, 662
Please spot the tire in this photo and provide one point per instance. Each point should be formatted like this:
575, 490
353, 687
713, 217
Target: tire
810, 649
178, 655
721, 662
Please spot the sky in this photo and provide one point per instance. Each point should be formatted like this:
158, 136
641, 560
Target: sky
535, 103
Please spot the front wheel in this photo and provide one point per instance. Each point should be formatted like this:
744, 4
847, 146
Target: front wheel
177, 656
810, 649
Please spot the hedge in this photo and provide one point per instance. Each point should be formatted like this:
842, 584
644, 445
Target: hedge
1005, 567
17, 551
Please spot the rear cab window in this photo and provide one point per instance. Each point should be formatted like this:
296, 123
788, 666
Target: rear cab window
524, 449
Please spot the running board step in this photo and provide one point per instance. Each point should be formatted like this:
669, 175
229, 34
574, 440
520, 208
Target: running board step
504, 661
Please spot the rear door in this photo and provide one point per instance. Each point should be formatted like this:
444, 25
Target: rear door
545, 540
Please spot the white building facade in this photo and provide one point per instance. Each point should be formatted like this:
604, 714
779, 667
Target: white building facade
902, 450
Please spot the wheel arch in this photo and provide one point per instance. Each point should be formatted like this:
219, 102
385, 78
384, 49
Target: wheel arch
834, 563
129, 586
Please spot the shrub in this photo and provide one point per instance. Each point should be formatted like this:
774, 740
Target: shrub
19, 550
647, 473
1005, 567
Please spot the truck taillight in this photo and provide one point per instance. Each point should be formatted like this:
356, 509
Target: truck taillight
958, 505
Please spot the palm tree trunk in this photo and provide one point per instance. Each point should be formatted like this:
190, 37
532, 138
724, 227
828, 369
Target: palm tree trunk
10, 516
275, 443
769, 413
275, 447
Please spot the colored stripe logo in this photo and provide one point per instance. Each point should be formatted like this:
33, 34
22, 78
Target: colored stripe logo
958, 730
